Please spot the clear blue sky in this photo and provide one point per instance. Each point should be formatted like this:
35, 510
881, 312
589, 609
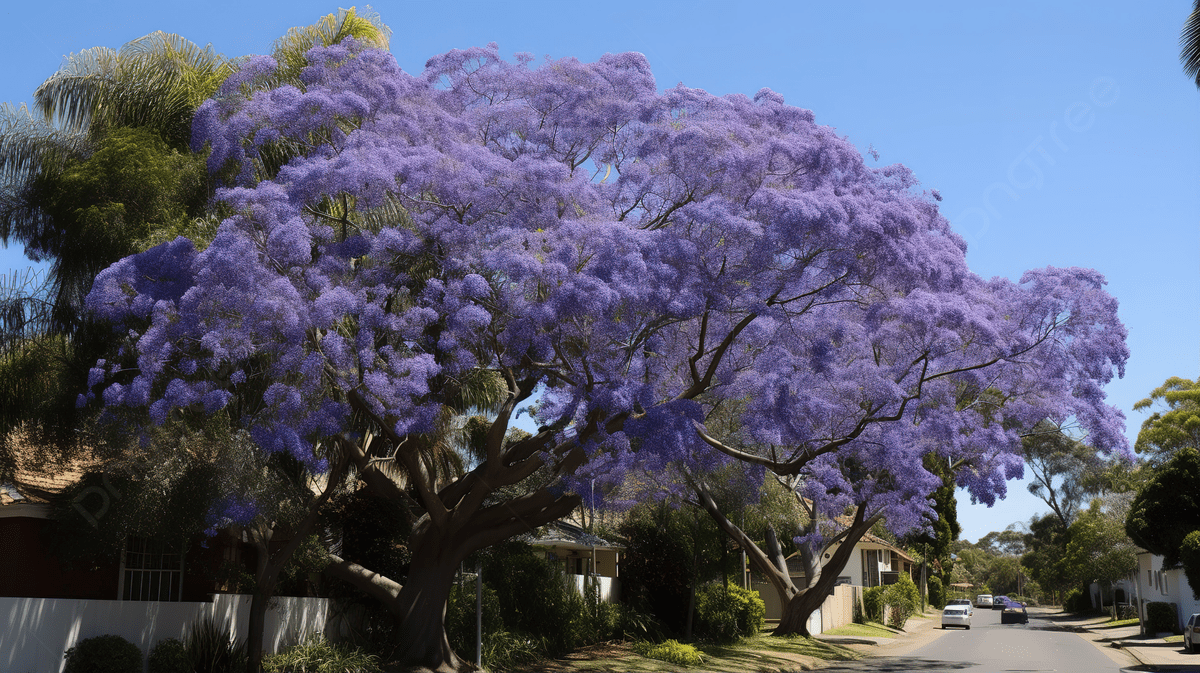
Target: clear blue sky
1060, 133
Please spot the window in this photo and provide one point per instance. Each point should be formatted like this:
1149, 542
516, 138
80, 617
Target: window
150, 571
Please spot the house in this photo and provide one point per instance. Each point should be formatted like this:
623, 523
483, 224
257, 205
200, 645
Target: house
1154, 584
148, 593
144, 570
581, 556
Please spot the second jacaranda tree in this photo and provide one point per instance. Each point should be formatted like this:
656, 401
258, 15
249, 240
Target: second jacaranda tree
639, 259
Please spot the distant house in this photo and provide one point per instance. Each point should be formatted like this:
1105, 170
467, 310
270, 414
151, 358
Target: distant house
1154, 584
581, 556
145, 570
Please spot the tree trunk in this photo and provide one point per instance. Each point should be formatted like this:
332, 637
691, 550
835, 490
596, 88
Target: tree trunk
794, 620
257, 624
421, 611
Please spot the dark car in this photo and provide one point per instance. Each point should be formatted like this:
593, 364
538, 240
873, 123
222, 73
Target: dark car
1014, 613
999, 602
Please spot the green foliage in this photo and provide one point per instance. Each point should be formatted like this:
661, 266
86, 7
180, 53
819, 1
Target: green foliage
1076, 600
1098, 548
728, 613
1189, 556
460, 617
1174, 428
212, 648
103, 654
656, 571
945, 529
1167, 508
1161, 617
320, 656
902, 600
670, 651
937, 592
873, 603
169, 656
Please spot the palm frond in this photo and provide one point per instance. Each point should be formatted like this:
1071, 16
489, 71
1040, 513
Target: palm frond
155, 81
1189, 42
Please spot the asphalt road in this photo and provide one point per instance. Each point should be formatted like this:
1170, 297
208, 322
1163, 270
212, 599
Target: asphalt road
992, 647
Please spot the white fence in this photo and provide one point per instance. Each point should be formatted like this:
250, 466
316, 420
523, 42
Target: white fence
34, 632
610, 587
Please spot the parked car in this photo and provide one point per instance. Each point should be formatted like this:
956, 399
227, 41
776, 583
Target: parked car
956, 615
1190, 633
1014, 613
962, 601
983, 601
998, 602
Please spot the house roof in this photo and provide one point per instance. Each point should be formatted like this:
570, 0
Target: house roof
568, 536
37, 480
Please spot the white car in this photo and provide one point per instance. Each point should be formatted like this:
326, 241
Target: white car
964, 602
983, 601
1190, 634
956, 615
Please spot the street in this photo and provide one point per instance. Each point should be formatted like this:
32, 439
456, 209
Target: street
994, 647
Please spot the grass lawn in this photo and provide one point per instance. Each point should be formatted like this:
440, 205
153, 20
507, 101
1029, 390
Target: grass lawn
870, 630
1174, 639
1118, 622
763, 652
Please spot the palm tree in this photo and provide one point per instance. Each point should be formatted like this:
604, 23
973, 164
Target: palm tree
1189, 41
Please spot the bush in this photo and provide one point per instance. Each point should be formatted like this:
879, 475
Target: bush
1189, 557
320, 656
873, 604
902, 600
213, 649
460, 617
670, 651
725, 614
169, 656
937, 592
1076, 601
503, 651
1161, 617
103, 654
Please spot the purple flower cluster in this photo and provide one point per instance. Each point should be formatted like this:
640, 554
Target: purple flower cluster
649, 258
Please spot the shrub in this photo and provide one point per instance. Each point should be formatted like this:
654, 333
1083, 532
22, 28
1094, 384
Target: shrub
213, 649
873, 603
169, 656
320, 656
460, 617
902, 600
103, 654
670, 651
725, 614
1189, 557
937, 592
1161, 617
1076, 601
503, 651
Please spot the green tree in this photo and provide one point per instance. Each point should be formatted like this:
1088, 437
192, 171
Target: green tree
1064, 470
1167, 508
1098, 548
1170, 429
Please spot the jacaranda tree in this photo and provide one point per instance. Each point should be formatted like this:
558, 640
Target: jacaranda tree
638, 258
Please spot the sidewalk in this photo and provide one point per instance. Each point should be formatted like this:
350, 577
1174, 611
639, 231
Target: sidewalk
1154, 654
917, 632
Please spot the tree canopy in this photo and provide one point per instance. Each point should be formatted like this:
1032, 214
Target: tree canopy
1167, 508
639, 257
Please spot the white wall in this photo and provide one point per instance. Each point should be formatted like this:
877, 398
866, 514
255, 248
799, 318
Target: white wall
34, 632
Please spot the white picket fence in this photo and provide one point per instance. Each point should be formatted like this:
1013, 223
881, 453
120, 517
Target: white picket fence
35, 632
